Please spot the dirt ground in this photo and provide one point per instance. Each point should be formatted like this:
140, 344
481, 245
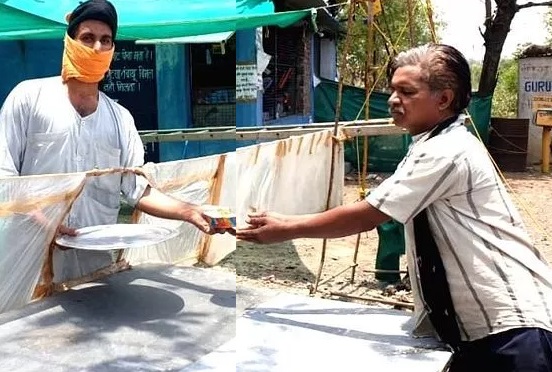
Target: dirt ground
292, 266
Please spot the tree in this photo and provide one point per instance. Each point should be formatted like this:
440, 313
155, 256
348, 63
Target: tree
497, 27
548, 23
504, 103
391, 21
505, 94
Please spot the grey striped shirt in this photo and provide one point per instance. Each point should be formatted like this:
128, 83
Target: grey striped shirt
498, 280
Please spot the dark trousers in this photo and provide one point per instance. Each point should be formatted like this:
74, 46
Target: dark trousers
516, 350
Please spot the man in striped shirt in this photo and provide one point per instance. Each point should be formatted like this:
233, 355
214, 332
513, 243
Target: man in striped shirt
477, 280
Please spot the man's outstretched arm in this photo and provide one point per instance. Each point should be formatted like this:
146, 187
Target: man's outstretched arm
157, 204
335, 223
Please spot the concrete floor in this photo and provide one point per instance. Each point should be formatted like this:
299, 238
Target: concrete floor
151, 318
164, 318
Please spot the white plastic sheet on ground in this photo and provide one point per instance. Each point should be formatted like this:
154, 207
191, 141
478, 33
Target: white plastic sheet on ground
24, 241
289, 176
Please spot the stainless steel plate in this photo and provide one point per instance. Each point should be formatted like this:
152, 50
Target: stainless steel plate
117, 236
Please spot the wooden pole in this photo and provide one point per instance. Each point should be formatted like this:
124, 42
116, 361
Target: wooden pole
410, 22
368, 88
335, 144
546, 149
429, 9
406, 305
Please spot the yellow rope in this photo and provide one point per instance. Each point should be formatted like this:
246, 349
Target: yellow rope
379, 75
383, 35
517, 198
361, 176
429, 12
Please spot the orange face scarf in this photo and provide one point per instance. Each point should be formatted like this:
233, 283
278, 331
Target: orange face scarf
83, 63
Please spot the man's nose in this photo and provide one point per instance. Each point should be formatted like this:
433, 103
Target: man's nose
97, 45
393, 99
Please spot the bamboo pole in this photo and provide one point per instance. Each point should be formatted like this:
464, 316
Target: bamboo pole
429, 11
385, 301
371, 271
410, 22
383, 271
337, 274
368, 87
355, 258
335, 144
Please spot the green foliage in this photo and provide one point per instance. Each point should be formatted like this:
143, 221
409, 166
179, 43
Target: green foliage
393, 22
475, 69
548, 23
506, 91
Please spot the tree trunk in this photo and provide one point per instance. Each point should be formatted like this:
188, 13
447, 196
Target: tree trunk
495, 35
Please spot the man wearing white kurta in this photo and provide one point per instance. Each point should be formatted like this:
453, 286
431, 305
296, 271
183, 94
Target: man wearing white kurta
64, 124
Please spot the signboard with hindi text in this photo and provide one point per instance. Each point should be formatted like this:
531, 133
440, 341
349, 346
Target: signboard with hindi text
246, 82
542, 109
131, 81
534, 81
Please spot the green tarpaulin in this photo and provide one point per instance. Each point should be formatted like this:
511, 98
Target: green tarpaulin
24, 19
480, 112
384, 152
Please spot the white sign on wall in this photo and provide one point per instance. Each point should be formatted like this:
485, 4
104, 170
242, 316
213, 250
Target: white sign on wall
535, 80
246, 82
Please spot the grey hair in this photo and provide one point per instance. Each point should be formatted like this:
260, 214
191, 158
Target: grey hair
443, 67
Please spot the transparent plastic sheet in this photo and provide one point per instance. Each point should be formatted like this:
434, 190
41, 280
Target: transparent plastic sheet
189, 180
25, 240
289, 176
26, 261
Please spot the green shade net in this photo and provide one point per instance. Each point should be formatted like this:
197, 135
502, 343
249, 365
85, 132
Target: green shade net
384, 152
24, 19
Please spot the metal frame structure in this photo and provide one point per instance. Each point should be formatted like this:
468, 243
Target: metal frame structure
349, 129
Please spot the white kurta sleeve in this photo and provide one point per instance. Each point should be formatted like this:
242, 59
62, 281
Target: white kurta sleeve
13, 127
132, 186
422, 179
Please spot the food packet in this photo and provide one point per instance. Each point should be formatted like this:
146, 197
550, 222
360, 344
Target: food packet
220, 217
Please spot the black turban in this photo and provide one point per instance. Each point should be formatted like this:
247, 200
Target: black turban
98, 10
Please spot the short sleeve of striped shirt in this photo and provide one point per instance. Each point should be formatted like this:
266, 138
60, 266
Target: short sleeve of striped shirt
420, 180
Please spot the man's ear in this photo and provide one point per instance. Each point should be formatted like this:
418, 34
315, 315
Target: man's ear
68, 17
445, 99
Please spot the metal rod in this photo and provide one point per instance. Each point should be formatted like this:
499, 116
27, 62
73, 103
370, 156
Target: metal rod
349, 129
